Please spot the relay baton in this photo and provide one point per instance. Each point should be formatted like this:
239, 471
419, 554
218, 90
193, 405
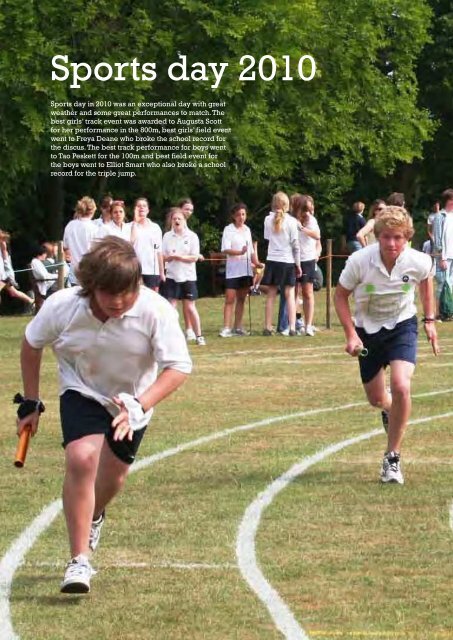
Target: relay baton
361, 352
22, 447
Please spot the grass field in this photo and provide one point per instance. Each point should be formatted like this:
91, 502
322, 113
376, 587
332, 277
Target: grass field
252, 533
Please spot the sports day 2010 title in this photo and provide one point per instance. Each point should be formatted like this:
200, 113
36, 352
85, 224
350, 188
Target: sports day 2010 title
266, 68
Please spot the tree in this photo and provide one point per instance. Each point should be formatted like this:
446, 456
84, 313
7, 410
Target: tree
360, 108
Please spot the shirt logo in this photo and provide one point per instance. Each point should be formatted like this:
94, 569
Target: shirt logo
405, 278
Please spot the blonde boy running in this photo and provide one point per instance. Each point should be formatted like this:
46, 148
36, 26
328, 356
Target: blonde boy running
383, 278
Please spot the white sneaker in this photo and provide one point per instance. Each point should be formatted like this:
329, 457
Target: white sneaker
190, 335
285, 332
95, 532
225, 333
77, 575
391, 468
309, 330
201, 342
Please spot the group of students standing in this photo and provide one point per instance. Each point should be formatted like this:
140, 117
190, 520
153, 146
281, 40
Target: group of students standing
167, 260
294, 246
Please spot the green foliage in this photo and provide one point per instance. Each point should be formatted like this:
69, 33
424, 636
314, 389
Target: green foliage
361, 107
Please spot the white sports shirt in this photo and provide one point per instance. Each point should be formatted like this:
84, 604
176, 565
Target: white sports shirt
78, 237
383, 299
101, 359
236, 238
185, 244
148, 244
308, 244
280, 244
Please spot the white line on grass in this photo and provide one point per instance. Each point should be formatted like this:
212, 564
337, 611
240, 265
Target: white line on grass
186, 566
280, 613
14, 556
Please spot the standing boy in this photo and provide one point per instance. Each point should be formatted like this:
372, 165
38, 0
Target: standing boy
383, 278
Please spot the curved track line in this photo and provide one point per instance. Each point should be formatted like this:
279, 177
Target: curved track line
14, 556
279, 611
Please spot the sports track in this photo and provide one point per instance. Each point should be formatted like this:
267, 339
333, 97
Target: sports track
247, 561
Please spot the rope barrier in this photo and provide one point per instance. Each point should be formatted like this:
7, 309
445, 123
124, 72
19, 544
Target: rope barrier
52, 266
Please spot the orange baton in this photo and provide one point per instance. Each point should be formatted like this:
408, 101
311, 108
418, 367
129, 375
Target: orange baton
22, 447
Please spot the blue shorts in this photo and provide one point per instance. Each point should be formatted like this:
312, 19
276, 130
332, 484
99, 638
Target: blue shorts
151, 281
399, 343
242, 282
173, 290
279, 274
308, 271
82, 416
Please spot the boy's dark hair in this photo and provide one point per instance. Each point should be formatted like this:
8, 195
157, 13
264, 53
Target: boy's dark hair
111, 265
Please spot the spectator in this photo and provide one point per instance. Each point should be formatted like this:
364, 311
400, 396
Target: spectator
396, 199
7, 275
45, 281
352, 224
366, 234
282, 262
238, 246
118, 225
106, 216
146, 237
181, 249
79, 234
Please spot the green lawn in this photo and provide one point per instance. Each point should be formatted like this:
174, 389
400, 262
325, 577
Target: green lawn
349, 557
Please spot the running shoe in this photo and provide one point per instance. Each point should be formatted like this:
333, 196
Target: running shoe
391, 468
190, 335
268, 332
225, 333
77, 575
309, 330
240, 332
201, 342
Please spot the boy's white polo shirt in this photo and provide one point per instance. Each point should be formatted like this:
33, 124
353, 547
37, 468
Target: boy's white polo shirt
100, 360
236, 238
184, 244
281, 242
148, 244
383, 299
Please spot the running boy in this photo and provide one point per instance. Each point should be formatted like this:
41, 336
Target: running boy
109, 336
383, 277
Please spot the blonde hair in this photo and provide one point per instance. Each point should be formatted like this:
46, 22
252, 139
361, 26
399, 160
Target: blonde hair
394, 218
81, 209
280, 207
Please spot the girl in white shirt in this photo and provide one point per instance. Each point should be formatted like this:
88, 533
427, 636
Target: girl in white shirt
309, 237
238, 247
79, 234
283, 260
181, 249
118, 225
146, 237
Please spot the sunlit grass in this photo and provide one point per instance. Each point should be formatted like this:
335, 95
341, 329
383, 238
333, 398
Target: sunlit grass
349, 557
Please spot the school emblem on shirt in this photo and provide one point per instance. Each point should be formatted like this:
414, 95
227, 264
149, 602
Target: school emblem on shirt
405, 278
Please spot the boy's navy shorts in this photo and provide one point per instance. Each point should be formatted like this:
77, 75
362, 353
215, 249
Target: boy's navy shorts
82, 416
399, 343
